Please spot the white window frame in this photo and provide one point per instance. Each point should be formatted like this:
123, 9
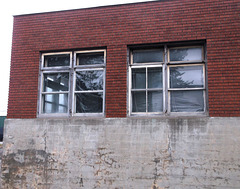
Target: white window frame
87, 68
186, 89
166, 64
144, 90
46, 70
71, 69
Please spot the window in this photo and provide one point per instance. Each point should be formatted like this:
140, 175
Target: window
89, 82
72, 83
167, 80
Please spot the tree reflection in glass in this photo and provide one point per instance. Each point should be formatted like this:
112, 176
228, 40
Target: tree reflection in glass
57, 60
56, 82
186, 54
89, 80
186, 77
90, 58
89, 102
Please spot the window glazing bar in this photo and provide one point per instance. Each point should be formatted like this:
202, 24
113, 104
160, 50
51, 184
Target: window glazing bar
97, 91
185, 89
62, 92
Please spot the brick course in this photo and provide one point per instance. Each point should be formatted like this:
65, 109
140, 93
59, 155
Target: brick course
116, 27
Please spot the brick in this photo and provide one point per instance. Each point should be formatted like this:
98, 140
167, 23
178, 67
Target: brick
116, 27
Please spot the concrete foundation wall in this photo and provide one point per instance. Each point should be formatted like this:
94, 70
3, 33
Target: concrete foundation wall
124, 153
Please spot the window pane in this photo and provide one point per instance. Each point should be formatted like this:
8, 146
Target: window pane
187, 101
89, 102
56, 60
89, 80
155, 77
186, 77
139, 78
55, 103
186, 54
138, 101
145, 56
90, 58
56, 82
155, 101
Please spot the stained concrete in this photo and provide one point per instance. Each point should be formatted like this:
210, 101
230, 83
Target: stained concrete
1, 151
154, 153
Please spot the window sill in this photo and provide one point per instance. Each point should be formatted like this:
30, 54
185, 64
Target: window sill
170, 115
64, 116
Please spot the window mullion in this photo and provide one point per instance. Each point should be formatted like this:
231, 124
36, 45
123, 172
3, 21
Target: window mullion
146, 89
165, 81
71, 86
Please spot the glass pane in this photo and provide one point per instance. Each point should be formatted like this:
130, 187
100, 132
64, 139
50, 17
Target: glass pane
90, 58
138, 101
186, 77
55, 103
139, 78
187, 101
89, 102
155, 77
89, 80
186, 54
145, 56
155, 101
57, 60
56, 82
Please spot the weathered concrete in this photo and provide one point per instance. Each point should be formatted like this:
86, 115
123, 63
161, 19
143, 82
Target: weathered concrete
1, 150
177, 153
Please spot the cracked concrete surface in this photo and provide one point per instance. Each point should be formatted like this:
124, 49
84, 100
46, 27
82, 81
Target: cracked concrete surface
183, 153
1, 151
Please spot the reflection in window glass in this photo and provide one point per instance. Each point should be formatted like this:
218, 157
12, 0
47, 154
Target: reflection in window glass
55, 103
186, 54
89, 102
187, 101
138, 101
155, 101
57, 60
144, 56
139, 78
186, 77
89, 80
155, 77
56, 82
65, 86
90, 58
161, 86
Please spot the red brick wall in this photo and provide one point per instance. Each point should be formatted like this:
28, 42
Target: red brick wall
115, 27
